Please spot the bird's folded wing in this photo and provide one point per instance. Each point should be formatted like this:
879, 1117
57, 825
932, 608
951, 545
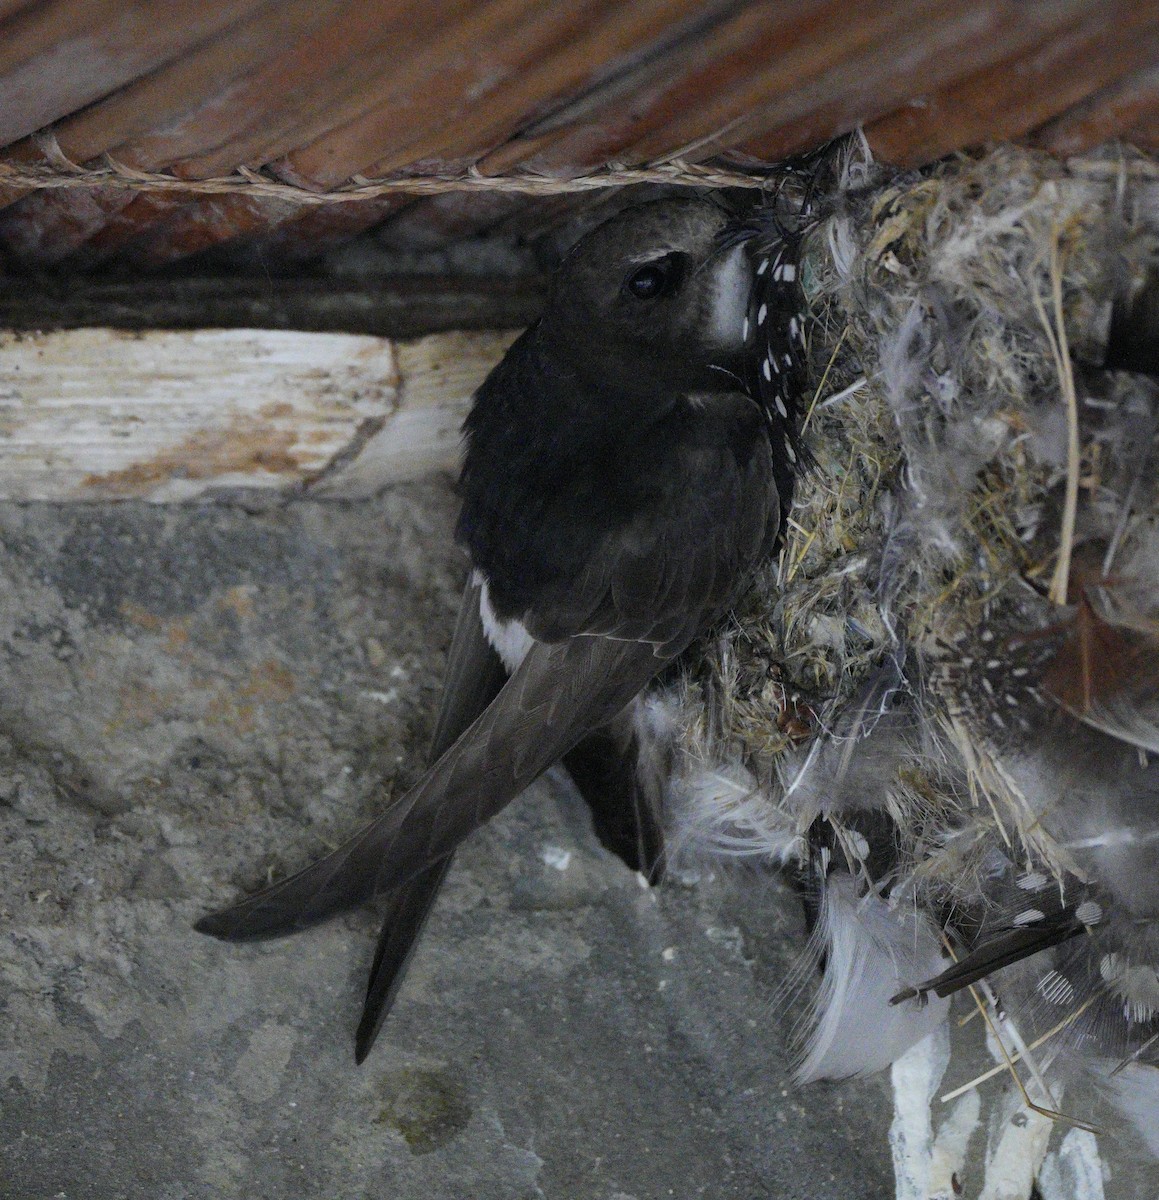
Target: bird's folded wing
559, 692
709, 510
647, 586
474, 675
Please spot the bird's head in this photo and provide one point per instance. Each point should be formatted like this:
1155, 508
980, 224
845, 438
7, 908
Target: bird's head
656, 294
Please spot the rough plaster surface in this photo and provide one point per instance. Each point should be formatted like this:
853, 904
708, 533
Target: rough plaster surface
190, 697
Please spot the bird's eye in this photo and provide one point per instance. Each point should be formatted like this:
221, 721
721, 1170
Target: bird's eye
652, 279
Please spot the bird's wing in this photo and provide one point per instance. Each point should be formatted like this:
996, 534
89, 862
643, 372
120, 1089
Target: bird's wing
474, 677
613, 768
559, 692
683, 552
474, 674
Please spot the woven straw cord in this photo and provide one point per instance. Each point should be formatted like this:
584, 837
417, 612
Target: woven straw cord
59, 172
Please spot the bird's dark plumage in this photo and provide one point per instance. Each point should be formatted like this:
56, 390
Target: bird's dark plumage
619, 486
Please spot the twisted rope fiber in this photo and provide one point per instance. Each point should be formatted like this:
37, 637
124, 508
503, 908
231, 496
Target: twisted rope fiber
61, 173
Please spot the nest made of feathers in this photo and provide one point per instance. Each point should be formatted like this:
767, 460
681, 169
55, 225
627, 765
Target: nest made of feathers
958, 469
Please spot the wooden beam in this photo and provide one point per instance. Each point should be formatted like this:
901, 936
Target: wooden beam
437, 376
918, 47
9, 8
189, 92
124, 224
328, 77
402, 308
458, 65
286, 100
596, 125
313, 231
603, 121
435, 221
1145, 132
101, 414
46, 227
283, 69
1012, 97
59, 56
1109, 113
493, 47
207, 222
471, 125
819, 50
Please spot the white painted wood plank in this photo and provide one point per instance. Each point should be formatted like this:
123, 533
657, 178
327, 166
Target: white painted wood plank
437, 377
98, 414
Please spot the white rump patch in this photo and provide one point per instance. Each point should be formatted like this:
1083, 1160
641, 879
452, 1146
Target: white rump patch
510, 639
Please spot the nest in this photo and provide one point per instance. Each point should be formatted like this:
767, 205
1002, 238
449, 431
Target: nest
955, 467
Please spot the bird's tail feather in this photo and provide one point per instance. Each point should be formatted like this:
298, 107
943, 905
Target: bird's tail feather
615, 774
407, 911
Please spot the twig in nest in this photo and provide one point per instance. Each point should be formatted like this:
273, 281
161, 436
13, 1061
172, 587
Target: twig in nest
1060, 352
1069, 1019
1051, 1114
824, 378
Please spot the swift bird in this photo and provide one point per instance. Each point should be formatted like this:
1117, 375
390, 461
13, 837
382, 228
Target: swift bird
619, 486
